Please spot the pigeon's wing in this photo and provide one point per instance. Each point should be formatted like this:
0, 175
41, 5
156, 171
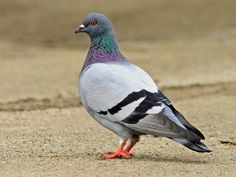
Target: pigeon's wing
180, 117
163, 123
110, 87
125, 94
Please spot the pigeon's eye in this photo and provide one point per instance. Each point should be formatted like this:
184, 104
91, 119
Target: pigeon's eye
93, 22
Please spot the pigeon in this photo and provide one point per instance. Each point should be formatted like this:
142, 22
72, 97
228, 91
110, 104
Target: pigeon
123, 98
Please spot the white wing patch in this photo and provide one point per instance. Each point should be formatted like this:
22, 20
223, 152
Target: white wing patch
127, 110
155, 109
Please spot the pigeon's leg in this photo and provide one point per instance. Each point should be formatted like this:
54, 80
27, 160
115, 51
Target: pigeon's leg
119, 153
131, 145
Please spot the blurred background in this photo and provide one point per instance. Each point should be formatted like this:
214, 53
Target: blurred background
52, 22
41, 57
187, 46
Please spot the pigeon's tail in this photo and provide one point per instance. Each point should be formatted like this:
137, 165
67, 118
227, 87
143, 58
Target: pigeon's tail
193, 145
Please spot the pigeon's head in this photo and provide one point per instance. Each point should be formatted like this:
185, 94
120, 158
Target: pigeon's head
95, 24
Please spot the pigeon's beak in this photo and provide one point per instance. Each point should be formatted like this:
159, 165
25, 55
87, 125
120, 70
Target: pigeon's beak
79, 29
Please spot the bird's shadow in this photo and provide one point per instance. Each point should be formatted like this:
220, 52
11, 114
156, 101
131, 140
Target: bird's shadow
179, 158
170, 159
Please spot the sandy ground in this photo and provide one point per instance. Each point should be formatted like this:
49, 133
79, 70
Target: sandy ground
188, 47
67, 142
44, 130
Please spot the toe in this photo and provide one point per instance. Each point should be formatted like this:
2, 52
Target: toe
113, 155
110, 155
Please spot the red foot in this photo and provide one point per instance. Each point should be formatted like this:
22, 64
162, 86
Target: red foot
120, 153
117, 154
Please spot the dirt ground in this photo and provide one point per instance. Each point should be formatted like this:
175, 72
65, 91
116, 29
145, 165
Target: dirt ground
188, 49
45, 131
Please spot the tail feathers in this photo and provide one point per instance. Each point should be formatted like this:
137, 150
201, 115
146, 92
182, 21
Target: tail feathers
193, 145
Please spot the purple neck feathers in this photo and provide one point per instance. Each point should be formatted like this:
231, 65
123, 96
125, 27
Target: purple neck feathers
103, 49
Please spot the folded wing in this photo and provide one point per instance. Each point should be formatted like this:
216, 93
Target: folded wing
125, 94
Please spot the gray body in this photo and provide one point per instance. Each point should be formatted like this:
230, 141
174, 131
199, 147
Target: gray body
123, 98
